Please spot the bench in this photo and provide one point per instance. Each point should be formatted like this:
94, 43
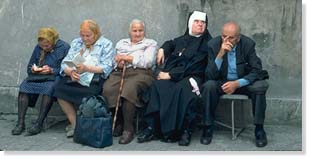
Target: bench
233, 97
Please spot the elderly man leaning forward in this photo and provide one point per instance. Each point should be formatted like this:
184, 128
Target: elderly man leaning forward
234, 68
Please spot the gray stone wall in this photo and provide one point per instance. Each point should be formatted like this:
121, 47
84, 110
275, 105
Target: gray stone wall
275, 25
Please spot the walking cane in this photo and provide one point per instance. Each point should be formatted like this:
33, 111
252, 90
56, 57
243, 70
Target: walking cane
119, 95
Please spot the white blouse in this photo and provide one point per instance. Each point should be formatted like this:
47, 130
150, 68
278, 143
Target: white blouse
143, 52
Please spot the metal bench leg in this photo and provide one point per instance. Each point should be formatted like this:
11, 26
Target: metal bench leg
137, 121
237, 130
233, 123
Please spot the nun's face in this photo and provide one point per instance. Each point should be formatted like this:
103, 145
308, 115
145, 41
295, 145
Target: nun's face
198, 27
137, 32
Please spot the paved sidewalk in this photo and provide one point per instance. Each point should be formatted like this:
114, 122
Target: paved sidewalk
280, 138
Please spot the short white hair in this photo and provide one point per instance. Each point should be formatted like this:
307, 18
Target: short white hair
136, 21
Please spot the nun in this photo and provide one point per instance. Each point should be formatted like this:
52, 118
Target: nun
171, 109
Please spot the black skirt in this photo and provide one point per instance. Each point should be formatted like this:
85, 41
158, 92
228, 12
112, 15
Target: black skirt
74, 92
174, 101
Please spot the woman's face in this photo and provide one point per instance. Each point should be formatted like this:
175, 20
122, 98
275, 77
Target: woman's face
198, 27
88, 37
45, 45
137, 32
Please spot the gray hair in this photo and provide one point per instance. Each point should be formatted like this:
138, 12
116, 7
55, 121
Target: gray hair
134, 21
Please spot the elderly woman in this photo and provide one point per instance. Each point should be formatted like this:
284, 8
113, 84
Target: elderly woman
173, 97
138, 55
98, 54
44, 65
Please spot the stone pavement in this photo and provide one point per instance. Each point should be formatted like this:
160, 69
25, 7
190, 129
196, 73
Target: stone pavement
280, 138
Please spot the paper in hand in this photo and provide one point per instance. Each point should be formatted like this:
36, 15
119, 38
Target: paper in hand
78, 59
195, 87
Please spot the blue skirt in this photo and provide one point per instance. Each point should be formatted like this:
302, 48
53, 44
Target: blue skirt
46, 87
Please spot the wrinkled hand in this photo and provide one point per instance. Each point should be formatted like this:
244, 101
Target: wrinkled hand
46, 70
121, 64
36, 69
226, 45
119, 58
74, 75
163, 76
160, 56
230, 87
81, 68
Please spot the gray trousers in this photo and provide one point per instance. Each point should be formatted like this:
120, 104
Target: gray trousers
212, 91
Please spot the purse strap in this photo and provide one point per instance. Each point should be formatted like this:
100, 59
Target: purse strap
104, 102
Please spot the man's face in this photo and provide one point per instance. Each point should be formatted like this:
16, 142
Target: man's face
230, 33
137, 32
45, 45
198, 27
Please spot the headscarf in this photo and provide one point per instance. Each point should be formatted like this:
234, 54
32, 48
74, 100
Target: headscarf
196, 15
51, 35
206, 36
48, 33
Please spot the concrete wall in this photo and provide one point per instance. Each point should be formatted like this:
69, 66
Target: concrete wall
274, 24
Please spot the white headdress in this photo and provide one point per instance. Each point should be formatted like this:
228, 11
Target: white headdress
196, 15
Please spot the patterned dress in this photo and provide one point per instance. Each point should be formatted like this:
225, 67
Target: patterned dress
52, 59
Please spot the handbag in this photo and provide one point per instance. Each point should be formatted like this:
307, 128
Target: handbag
40, 77
94, 123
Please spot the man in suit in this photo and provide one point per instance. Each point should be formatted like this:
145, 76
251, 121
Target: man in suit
234, 68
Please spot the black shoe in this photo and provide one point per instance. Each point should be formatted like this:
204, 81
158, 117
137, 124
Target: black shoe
147, 135
206, 136
260, 138
18, 130
34, 129
170, 139
185, 138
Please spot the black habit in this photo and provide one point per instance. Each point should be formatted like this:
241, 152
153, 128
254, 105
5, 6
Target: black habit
173, 99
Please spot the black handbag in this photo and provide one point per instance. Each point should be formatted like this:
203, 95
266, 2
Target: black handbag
40, 78
93, 123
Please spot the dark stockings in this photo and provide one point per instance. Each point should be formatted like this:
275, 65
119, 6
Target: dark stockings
119, 121
25, 100
44, 109
128, 111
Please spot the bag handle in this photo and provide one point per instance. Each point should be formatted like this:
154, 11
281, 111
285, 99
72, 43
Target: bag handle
104, 100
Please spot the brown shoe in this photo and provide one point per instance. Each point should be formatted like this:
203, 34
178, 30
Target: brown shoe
126, 137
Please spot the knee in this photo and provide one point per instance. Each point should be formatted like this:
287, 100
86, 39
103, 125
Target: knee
108, 90
259, 87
